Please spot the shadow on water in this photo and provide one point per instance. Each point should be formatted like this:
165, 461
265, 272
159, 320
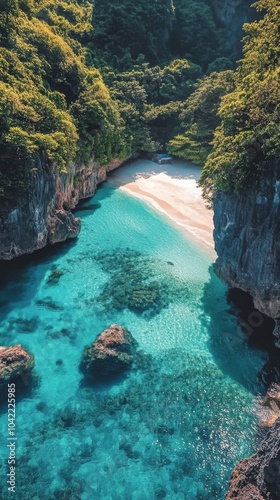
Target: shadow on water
96, 384
89, 205
26, 387
85, 208
104, 193
258, 330
18, 279
238, 354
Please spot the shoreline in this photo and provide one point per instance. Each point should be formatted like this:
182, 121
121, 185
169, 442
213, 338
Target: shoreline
172, 191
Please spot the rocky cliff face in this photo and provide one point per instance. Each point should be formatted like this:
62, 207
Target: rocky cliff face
247, 241
258, 477
232, 14
44, 216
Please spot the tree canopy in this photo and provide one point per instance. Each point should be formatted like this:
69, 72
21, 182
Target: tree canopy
128, 32
50, 101
104, 79
247, 141
199, 118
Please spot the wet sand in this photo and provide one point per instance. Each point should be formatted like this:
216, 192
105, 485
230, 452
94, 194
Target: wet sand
173, 191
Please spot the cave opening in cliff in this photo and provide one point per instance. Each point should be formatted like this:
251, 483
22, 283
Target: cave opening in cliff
258, 329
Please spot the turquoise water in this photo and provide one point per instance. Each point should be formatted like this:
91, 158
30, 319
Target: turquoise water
177, 423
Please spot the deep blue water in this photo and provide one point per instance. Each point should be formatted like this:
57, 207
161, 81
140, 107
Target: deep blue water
175, 426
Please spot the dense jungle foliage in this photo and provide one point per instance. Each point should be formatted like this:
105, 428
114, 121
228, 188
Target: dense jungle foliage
247, 141
151, 55
51, 102
126, 32
114, 78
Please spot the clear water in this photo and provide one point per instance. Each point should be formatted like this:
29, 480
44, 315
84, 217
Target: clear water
175, 426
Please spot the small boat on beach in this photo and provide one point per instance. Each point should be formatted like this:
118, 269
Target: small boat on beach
163, 158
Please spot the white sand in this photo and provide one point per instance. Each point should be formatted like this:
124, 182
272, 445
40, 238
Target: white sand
173, 191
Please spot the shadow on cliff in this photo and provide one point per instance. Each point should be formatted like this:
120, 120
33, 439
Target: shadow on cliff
239, 349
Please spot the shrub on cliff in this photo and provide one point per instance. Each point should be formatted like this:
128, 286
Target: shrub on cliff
248, 139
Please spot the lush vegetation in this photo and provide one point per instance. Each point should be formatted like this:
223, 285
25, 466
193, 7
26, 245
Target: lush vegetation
150, 100
128, 32
50, 101
247, 141
199, 117
104, 79
151, 56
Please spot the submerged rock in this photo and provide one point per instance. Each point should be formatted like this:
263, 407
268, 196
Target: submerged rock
54, 276
144, 297
111, 353
15, 361
138, 283
258, 477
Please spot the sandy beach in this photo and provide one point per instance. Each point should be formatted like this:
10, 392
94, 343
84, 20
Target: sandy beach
173, 191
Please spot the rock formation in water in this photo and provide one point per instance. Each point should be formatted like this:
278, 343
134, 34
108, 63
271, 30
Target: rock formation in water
247, 241
15, 361
110, 354
258, 477
44, 216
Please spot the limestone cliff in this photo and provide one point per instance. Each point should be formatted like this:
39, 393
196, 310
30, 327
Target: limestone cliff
232, 14
247, 241
44, 216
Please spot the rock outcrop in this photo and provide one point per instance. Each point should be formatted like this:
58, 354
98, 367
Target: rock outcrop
15, 361
258, 477
44, 215
247, 241
232, 14
268, 407
110, 354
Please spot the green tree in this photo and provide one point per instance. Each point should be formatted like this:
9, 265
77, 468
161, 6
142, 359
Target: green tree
199, 118
196, 34
125, 29
51, 103
247, 143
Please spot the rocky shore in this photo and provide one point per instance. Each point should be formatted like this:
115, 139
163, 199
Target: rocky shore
247, 241
258, 477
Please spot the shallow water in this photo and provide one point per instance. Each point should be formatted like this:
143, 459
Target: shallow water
177, 423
